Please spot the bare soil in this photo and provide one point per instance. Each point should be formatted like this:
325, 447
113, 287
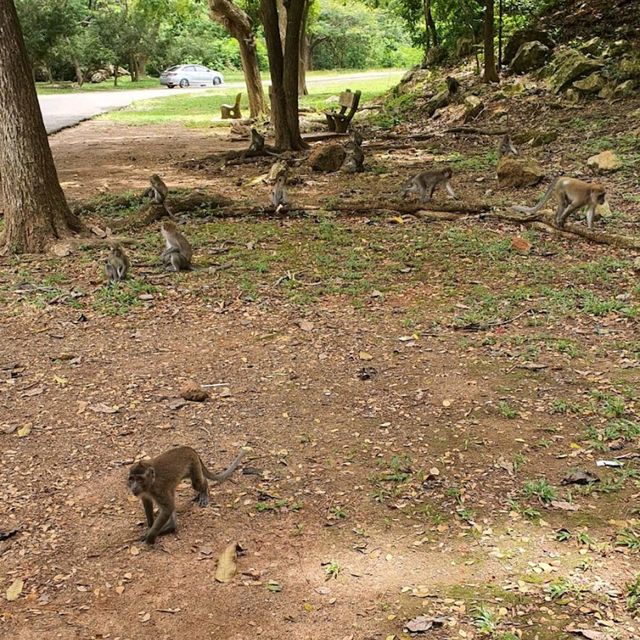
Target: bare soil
390, 451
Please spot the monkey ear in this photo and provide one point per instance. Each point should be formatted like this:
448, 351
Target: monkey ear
151, 474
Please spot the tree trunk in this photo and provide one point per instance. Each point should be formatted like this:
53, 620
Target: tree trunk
238, 24
304, 52
78, 70
490, 73
35, 209
284, 71
133, 67
432, 33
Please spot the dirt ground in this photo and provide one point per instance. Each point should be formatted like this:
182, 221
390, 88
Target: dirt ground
409, 426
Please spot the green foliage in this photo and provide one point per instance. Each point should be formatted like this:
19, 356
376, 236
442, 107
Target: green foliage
540, 489
353, 35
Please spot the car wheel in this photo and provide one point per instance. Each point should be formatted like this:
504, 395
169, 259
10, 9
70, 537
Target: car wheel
217, 80
184, 83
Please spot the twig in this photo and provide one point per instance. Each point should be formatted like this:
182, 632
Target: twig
474, 326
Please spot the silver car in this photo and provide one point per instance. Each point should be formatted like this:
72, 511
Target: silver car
190, 75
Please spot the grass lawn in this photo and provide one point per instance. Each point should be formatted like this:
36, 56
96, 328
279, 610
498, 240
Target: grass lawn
203, 109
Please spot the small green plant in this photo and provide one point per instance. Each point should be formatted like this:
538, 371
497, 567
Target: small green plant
485, 620
506, 410
525, 511
338, 512
633, 594
540, 489
119, 299
559, 588
585, 539
332, 570
562, 535
629, 537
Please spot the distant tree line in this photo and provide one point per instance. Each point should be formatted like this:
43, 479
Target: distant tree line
71, 39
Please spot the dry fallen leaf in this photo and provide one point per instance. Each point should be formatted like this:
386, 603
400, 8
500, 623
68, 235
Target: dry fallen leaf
101, 407
14, 591
305, 325
365, 355
227, 567
24, 430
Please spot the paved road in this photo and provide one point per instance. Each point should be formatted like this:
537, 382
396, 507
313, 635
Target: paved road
67, 109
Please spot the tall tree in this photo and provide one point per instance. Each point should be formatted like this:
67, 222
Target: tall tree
284, 69
36, 212
431, 31
490, 73
239, 25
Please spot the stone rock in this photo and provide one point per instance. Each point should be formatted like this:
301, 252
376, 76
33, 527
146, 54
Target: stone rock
193, 392
591, 84
573, 95
522, 36
605, 162
473, 107
327, 158
594, 46
464, 47
530, 56
517, 172
629, 67
617, 48
99, 76
625, 89
438, 101
572, 66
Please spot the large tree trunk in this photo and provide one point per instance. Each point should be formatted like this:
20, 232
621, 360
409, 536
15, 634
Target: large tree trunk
432, 33
284, 71
238, 24
35, 210
490, 73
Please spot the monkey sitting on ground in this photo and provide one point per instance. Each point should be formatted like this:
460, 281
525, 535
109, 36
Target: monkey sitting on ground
156, 480
506, 147
158, 191
117, 264
425, 183
354, 160
279, 194
178, 253
572, 195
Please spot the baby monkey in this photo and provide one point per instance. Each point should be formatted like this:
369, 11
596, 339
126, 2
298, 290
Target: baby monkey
156, 480
117, 264
158, 191
506, 147
425, 183
572, 195
177, 253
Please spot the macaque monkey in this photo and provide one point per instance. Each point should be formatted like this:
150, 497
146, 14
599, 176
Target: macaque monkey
572, 195
425, 183
279, 194
156, 480
178, 253
506, 147
117, 264
354, 160
158, 190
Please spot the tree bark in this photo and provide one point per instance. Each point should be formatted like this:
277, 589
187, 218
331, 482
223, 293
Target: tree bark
490, 73
430, 24
238, 24
36, 212
284, 71
304, 52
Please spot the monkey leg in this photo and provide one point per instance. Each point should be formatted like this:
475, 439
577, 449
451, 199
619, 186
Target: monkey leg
147, 503
112, 272
566, 213
591, 213
200, 484
171, 525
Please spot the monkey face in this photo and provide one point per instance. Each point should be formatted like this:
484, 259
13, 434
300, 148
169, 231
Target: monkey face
140, 479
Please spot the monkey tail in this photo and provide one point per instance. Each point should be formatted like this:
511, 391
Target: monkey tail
223, 475
542, 202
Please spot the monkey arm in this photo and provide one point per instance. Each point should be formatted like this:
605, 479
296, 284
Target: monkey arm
147, 503
165, 512
450, 190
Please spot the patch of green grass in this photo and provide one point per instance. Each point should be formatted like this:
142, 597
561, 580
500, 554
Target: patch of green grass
629, 537
202, 110
540, 489
525, 511
120, 298
560, 587
124, 84
485, 620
